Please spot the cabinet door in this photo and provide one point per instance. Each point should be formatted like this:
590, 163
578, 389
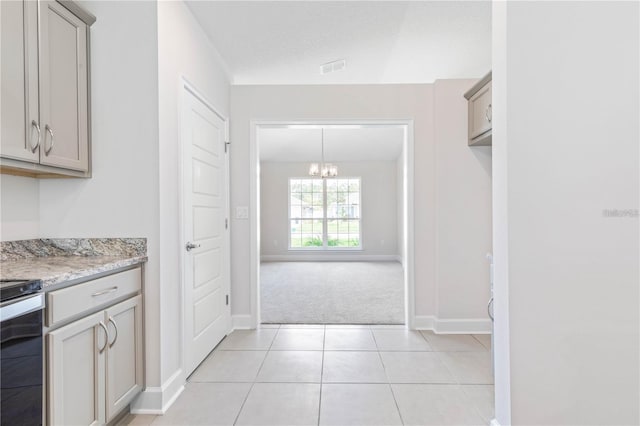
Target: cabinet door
19, 80
480, 112
63, 88
124, 357
76, 373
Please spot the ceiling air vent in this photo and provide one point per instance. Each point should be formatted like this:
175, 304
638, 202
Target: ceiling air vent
334, 66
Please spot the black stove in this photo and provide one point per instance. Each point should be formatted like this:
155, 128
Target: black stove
21, 352
10, 289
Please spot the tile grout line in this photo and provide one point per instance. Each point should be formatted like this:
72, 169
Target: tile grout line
475, 408
447, 368
384, 368
426, 340
324, 338
235, 421
478, 340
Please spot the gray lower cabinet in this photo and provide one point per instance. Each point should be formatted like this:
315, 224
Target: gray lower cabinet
124, 355
76, 373
44, 89
95, 365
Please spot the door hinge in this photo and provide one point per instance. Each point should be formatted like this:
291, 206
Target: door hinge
226, 223
226, 144
227, 298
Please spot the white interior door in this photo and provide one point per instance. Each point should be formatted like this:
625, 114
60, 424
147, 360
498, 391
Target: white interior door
207, 316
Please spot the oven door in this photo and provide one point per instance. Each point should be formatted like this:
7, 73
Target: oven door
21, 348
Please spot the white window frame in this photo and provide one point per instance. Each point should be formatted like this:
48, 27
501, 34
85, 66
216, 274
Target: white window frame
325, 220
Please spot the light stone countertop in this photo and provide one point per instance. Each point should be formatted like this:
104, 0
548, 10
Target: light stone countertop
65, 269
62, 262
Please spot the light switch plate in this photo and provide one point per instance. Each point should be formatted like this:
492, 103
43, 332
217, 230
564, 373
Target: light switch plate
242, 212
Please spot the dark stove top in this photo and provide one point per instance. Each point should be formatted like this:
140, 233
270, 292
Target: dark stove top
10, 289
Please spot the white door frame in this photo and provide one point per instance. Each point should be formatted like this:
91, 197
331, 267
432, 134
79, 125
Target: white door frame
408, 215
185, 85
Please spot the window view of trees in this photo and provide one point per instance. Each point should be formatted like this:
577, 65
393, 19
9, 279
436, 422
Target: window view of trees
324, 213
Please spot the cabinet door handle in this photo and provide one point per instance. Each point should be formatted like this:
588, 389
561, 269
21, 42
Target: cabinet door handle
106, 336
48, 129
37, 126
100, 293
488, 113
490, 309
115, 327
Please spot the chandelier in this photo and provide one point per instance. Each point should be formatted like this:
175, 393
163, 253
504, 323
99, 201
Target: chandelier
322, 169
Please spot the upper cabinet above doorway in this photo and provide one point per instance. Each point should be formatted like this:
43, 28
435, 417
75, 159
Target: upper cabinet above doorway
480, 112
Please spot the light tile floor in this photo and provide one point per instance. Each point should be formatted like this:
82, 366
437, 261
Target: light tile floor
337, 375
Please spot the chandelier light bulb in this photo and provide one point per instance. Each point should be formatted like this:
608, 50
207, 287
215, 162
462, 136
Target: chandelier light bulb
323, 169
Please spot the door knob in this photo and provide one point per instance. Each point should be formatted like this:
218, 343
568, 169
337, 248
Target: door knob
190, 246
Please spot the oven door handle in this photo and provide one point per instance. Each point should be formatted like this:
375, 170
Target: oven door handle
21, 306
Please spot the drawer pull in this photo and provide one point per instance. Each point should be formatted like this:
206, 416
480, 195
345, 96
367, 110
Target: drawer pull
115, 327
100, 293
106, 337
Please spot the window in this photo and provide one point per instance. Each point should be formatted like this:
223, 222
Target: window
324, 213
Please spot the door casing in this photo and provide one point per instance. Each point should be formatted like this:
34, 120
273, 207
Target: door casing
408, 214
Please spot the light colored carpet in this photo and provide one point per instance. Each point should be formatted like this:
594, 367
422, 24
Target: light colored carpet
332, 292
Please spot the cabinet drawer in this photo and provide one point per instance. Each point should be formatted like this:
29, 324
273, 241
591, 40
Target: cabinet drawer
68, 302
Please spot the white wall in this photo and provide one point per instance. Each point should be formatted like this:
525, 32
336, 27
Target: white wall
140, 50
416, 102
463, 210
19, 208
121, 199
283, 103
378, 212
183, 52
571, 140
501, 352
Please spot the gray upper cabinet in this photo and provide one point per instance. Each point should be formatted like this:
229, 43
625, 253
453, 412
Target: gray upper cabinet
480, 112
45, 89
63, 88
19, 81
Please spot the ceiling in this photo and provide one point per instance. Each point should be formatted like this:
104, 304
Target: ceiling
341, 143
285, 42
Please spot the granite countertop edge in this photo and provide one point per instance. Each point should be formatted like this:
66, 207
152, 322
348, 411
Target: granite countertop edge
62, 271
81, 275
62, 262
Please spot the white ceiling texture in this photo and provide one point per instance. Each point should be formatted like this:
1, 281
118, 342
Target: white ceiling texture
285, 42
383, 42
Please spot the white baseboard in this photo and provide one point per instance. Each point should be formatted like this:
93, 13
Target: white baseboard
241, 322
344, 256
494, 422
424, 322
452, 326
157, 400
